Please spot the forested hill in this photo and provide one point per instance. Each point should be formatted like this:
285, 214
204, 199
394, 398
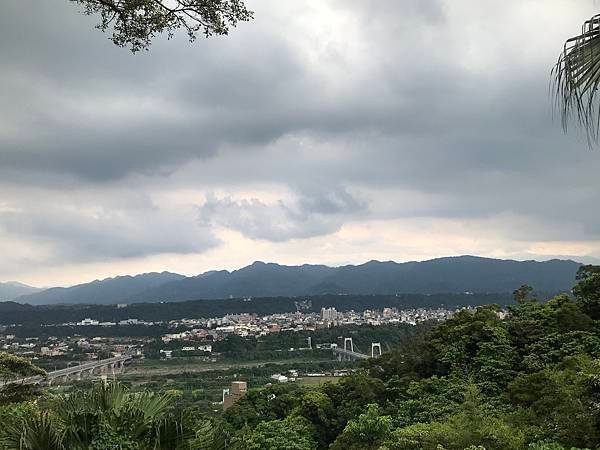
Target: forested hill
442, 275
108, 291
478, 381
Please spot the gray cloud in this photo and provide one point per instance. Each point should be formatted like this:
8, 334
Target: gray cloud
313, 212
250, 89
97, 233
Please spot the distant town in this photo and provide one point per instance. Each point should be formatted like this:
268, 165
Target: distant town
196, 337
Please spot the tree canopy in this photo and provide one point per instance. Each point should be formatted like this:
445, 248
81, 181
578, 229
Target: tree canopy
13, 367
482, 380
135, 23
12, 370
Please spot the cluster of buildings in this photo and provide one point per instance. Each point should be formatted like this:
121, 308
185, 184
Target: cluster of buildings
71, 348
255, 325
196, 337
201, 333
238, 389
92, 322
251, 324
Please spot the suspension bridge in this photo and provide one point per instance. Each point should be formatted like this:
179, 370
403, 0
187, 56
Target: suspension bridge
350, 352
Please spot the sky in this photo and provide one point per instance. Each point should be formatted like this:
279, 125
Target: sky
329, 132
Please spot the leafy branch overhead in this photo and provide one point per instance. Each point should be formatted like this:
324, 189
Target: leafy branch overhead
134, 23
13, 367
576, 77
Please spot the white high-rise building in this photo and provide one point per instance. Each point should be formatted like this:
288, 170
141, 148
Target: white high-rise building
329, 314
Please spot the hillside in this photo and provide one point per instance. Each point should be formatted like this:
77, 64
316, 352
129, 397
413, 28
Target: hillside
257, 280
442, 275
12, 290
108, 291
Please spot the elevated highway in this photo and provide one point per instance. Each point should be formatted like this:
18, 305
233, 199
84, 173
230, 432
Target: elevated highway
107, 366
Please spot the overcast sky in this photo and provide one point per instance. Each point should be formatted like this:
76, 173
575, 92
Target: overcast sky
321, 132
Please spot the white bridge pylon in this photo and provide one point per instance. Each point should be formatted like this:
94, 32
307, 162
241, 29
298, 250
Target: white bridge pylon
348, 345
375, 345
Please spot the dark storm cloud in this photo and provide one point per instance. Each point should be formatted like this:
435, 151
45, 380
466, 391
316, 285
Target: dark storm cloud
84, 236
247, 90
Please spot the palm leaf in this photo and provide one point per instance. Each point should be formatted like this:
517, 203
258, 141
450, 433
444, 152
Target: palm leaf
40, 431
576, 78
78, 420
210, 435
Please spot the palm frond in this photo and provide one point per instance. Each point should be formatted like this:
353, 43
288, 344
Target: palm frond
108, 414
576, 78
210, 435
40, 431
151, 405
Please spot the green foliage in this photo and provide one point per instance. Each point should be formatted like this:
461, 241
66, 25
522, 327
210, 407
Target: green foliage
561, 401
39, 431
275, 402
366, 432
12, 367
576, 79
423, 401
293, 433
546, 445
12, 416
17, 393
478, 346
136, 22
480, 380
524, 295
587, 290
472, 425
105, 417
351, 395
317, 408
210, 435
272, 344
413, 360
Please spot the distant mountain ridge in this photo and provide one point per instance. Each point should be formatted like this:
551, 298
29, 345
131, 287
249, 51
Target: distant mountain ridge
108, 291
442, 275
12, 289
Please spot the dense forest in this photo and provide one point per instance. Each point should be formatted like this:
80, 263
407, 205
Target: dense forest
481, 380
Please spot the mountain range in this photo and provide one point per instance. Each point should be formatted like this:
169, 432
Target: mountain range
11, 290
108, 291
442, 275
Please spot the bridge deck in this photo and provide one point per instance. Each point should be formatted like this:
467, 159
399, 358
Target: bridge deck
69, 370
350, 353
